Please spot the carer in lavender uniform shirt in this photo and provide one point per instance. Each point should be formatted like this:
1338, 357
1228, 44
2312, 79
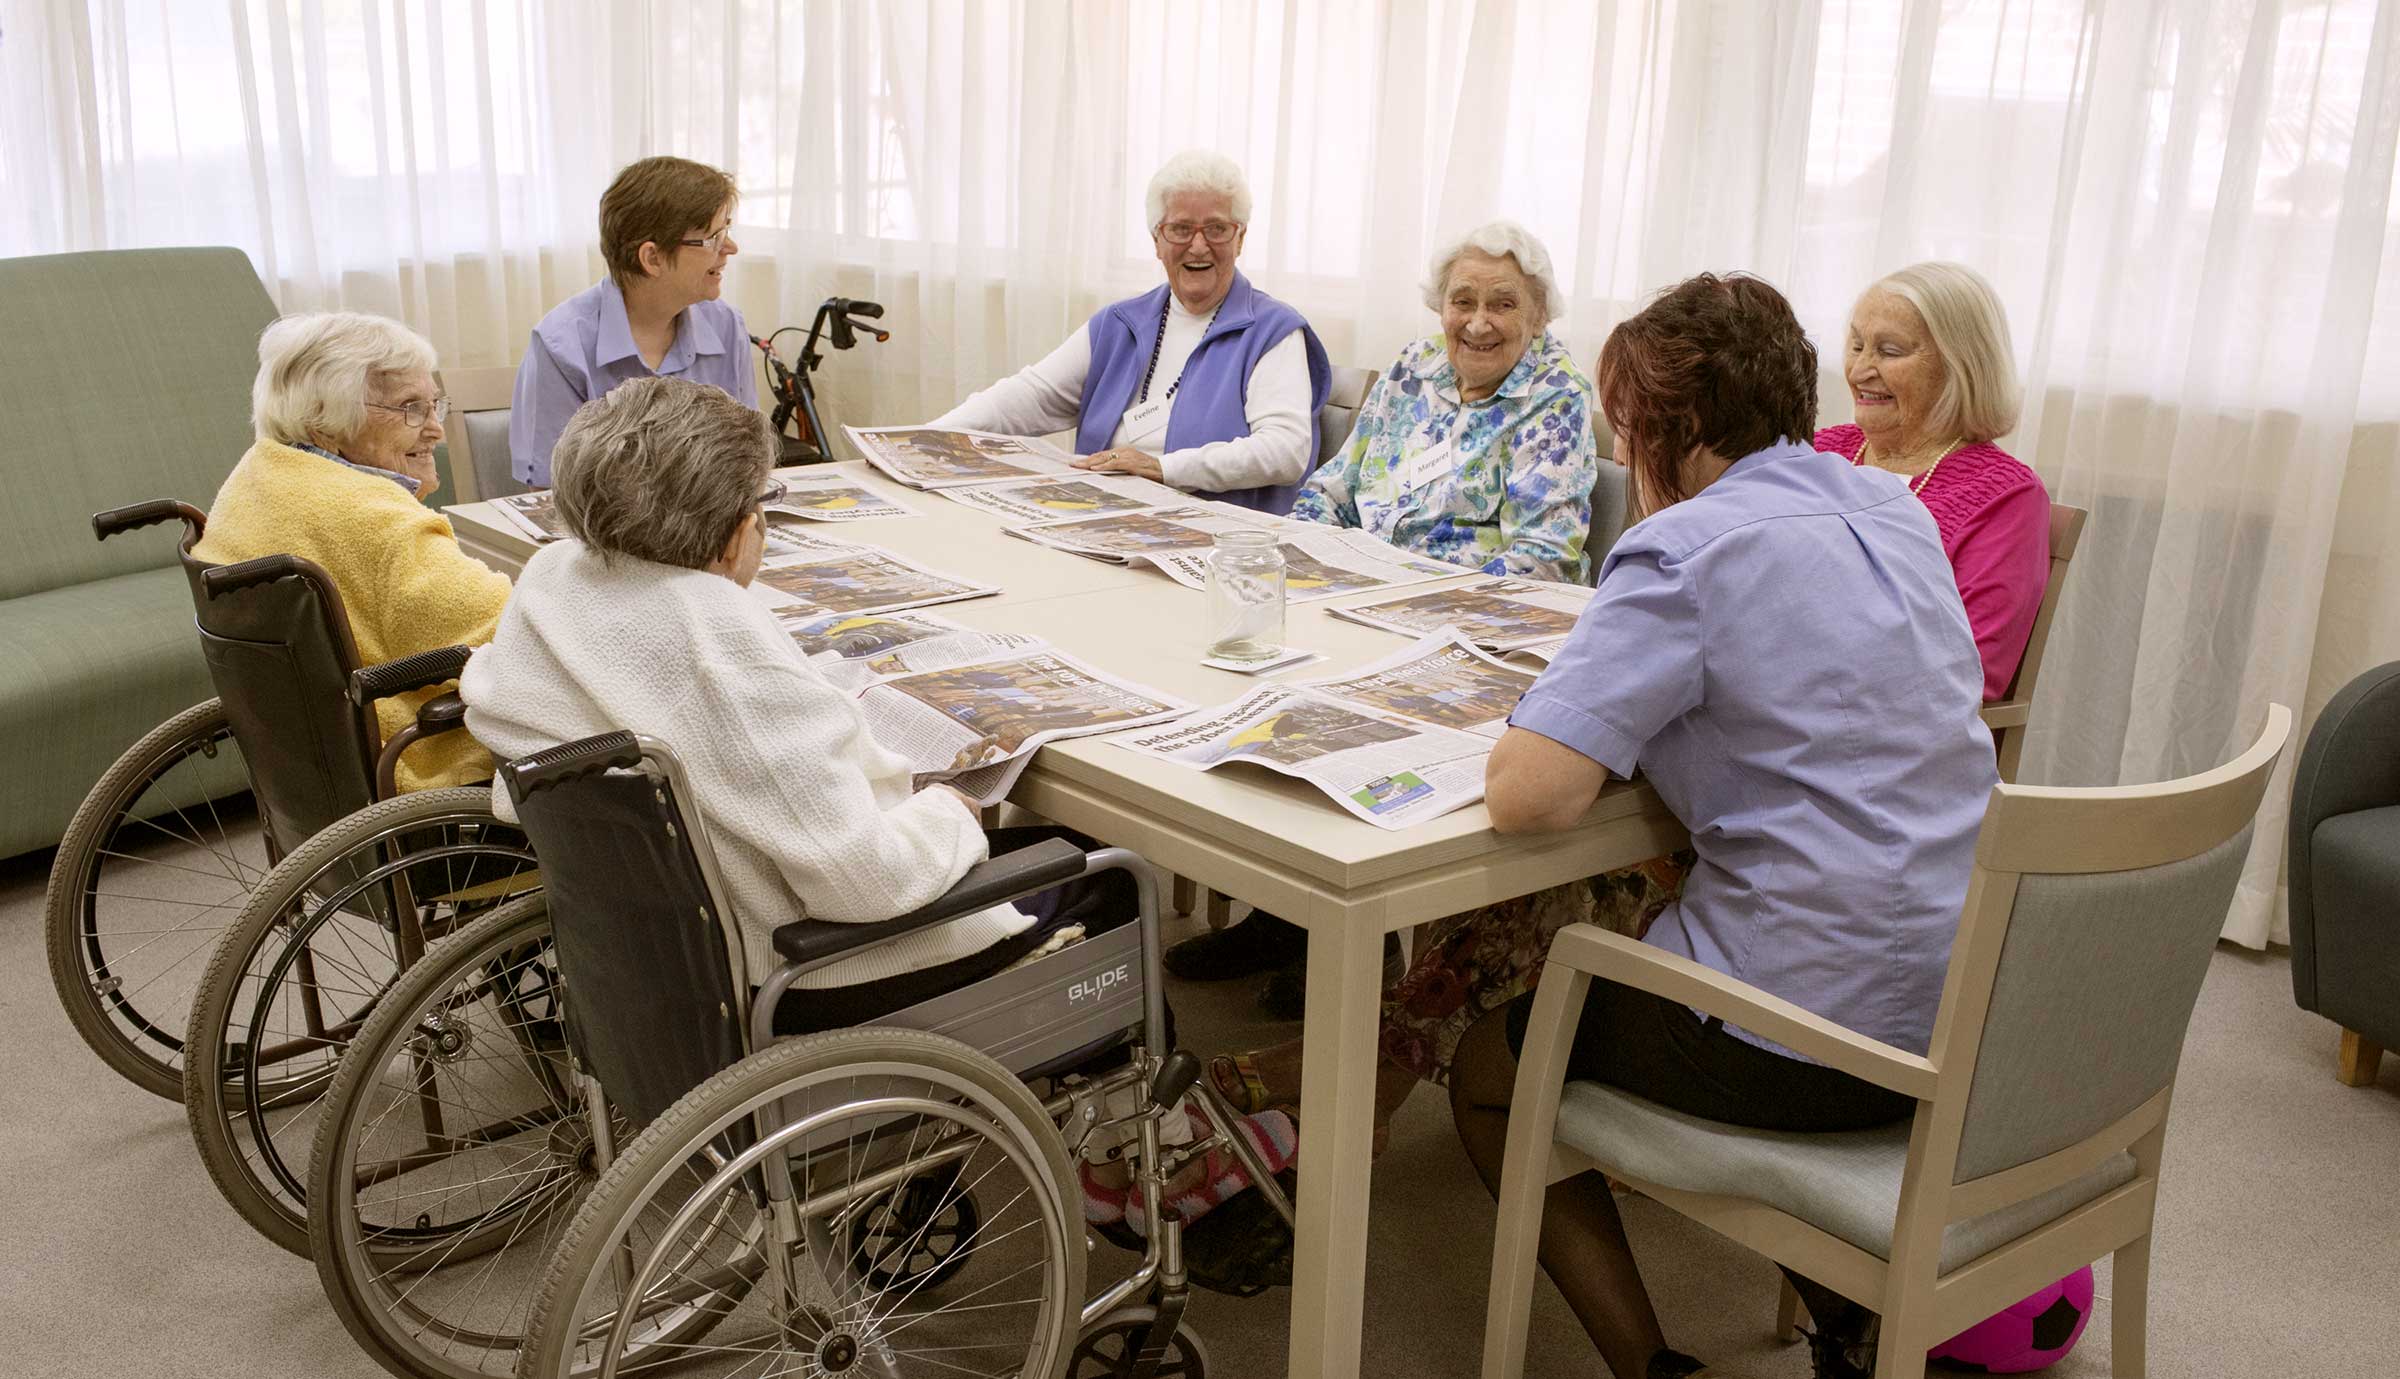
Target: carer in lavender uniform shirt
1780, 649
664, 230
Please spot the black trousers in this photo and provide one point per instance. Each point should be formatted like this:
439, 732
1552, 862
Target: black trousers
1098, 903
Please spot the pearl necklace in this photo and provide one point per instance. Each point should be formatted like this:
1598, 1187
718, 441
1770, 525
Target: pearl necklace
1916, 483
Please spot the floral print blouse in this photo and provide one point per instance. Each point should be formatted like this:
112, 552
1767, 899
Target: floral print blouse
1511, 492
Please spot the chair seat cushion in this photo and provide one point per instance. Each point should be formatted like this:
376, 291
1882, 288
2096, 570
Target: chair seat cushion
1845, 1184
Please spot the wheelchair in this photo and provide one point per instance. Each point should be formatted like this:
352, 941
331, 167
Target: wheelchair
633, 1171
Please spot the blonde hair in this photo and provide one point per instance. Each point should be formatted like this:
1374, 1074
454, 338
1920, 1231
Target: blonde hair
316, 369
1501, 239
1198, 170
1980, 394
661, 469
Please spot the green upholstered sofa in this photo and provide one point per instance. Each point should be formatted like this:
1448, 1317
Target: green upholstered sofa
124, 375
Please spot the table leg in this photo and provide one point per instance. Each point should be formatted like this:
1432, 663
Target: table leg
1337, 1119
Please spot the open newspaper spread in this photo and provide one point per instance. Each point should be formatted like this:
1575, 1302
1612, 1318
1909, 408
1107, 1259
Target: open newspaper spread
1144, 535
534, 514
838, 577
977, 725
1502, 615
1320, 562
1057, 499
831, 496
1397, 743
922, 457
856, 650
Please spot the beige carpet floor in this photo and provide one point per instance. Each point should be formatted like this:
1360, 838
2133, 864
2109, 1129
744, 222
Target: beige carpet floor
2278, 1250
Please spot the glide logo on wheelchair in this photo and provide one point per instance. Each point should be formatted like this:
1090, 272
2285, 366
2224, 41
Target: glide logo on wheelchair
1097, 986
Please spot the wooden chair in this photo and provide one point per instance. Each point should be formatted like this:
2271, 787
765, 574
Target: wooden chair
2042, 1101
2007, 716
478, 432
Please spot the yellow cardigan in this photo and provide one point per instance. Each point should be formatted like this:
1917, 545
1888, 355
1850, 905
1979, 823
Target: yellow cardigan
404, 582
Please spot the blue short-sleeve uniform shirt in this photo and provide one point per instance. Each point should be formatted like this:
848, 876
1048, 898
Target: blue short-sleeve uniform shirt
584, 348
1784, 656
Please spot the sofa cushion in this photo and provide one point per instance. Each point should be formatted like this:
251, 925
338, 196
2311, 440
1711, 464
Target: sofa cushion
84, 672
2354, 860
125, 375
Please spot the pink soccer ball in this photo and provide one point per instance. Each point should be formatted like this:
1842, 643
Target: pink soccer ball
2028, 1335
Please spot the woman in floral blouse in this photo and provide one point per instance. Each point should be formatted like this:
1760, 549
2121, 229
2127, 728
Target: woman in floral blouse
1476, 446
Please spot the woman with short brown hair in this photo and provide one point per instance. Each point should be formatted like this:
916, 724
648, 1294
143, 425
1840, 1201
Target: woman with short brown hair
665, 233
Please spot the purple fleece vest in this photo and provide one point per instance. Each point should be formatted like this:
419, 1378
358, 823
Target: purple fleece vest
1211, 402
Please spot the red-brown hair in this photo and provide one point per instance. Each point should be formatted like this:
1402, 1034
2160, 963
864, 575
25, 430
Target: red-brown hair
1715, 363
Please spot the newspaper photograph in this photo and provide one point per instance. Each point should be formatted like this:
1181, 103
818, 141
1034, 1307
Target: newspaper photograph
788, 538
1385, 770
1321, 562
971, 718
856, 650
1053, 500
533, 514
1124, 537
836, 577
830, 496
1442, 681
922, 457
1502, 615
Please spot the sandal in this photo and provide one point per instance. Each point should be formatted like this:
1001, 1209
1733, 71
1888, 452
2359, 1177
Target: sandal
1236, 1078
1222, 1175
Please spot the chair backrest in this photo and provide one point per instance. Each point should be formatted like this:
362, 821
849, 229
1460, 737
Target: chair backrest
2087, 931
646, 947
1609, 499
279, 651
479, 412
2007, 717
1340, 412
124, 374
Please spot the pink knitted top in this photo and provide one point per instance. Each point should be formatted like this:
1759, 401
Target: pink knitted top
1994, 517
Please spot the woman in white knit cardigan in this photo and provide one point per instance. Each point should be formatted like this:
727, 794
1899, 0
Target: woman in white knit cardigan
641, 623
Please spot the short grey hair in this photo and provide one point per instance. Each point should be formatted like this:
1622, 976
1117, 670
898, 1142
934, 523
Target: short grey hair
1198, 170
316, 369
661, 469
1980, 397
1501, 239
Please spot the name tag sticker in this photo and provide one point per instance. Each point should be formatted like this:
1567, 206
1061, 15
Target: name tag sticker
1144, 421
1427, 466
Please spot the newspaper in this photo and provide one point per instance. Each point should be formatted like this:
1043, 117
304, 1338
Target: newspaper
534, 514
1542, 653
1441, 680
856, 650
1503, 615
831, 496
1052, 500
922, 457
1147, 534
1320, 562
837, 577
977, 725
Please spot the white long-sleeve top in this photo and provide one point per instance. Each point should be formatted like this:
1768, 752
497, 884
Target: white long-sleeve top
1047, 396
811, 817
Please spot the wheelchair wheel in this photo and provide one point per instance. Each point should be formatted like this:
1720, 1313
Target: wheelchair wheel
151, 871
1110, 1347
853, 1114
451, 1154
299, 973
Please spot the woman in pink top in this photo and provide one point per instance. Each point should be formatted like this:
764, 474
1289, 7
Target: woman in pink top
1934, 380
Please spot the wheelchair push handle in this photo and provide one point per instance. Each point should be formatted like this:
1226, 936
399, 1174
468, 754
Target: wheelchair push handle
568, 761
370, 683
135, 516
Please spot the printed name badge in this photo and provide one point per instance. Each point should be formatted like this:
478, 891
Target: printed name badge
1426, 466
1144, 421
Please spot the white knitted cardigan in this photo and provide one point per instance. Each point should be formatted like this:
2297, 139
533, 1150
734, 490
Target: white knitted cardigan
805, 808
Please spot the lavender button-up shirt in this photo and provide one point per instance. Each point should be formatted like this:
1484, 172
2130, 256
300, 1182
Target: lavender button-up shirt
1785, 658
584, 347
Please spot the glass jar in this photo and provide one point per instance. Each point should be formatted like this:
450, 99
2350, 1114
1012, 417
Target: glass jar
1245, 596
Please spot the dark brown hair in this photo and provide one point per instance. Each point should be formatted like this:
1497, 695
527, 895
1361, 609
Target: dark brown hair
657, 201
1715, 363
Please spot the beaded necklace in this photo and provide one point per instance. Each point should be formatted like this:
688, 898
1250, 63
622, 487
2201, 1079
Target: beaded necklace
1160, 343
1916, 483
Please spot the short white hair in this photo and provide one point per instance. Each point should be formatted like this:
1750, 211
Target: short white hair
1199, 170
1502, 239
1980, 396
316, 369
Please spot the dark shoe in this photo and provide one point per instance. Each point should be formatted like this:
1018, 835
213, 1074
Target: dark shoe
1842, 1356
1260, 943
1285, 996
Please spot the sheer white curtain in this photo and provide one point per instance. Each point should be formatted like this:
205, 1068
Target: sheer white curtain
2186, 204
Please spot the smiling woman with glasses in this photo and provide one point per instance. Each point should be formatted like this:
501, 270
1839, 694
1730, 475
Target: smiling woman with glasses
665, 230
1205, 383
348, 413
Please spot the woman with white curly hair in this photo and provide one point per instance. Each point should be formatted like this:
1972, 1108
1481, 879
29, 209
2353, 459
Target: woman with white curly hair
1205, 383
1476, 446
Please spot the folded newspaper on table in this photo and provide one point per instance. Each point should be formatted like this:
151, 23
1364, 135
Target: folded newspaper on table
922, 457
1056, 499
1319, 562
1400, 742
832, 496
838, 577
1502, 615
977, 725
856, 650
1146, 534
1542, 653
533, 514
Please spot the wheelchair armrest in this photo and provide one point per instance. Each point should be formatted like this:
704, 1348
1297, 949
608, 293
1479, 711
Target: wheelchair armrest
438, 666
569, 761
986, 884
220, 580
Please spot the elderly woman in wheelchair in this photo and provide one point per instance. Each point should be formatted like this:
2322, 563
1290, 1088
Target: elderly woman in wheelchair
729, 857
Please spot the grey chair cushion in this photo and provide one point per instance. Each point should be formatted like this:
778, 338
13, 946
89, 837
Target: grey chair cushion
1847, 1184
2356, 861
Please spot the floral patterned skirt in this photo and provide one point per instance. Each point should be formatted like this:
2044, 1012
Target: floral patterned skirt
1481, 960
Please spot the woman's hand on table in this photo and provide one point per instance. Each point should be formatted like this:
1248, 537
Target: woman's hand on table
1123, 459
